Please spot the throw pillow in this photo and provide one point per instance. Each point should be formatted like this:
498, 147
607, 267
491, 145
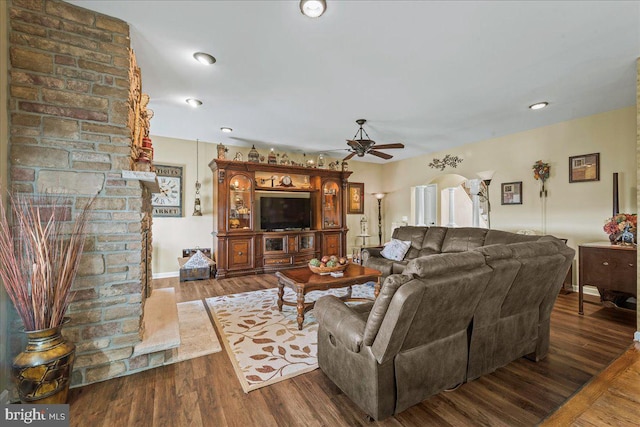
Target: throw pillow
396, 249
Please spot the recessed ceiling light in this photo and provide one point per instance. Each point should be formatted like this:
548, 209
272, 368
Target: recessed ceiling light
193, 102
313, 8
226, 130
204, 58
538, 105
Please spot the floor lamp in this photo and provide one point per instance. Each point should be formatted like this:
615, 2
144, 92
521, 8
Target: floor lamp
486, 177
379, 196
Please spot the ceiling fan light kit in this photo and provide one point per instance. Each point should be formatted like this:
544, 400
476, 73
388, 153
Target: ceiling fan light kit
313, 8
360, 145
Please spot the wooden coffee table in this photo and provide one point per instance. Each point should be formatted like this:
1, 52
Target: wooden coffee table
302, 281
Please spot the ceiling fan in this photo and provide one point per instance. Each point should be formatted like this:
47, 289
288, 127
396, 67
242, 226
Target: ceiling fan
361, 146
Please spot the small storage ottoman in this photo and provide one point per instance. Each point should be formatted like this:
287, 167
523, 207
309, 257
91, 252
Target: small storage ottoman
199, 273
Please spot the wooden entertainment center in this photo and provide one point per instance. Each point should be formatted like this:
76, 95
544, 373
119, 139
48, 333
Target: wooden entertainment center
245, 248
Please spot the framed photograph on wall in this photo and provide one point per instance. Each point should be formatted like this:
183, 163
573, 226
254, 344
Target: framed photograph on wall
512, 193
584, 168
168, 202
355, 203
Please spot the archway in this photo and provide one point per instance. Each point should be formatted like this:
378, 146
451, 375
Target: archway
446, 201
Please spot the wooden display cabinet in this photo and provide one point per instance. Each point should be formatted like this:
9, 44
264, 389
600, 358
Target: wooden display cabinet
243, 248
331, 204
240, 212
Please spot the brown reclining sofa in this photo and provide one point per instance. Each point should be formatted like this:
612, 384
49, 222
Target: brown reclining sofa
468, 301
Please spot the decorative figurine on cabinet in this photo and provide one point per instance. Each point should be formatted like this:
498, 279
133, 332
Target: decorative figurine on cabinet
222, 150
626, 237
254, 156
272, 158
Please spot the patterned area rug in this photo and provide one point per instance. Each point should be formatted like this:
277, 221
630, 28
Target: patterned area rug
265, 345
197, 337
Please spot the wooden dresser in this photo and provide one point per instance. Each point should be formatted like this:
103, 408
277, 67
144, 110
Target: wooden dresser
607, 266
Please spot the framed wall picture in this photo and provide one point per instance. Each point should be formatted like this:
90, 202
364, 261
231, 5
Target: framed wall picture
512, 193
584, 168
355, 203
168, 202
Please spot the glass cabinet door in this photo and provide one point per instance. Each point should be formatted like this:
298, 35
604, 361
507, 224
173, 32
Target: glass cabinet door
331, 214
274, 244
306, 242
240, 203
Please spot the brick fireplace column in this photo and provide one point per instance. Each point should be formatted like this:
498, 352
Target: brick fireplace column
68, 106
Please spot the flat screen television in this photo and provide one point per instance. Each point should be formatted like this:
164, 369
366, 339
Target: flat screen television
284, 213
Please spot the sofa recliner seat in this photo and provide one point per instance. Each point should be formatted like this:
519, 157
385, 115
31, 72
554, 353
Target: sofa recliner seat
448, 318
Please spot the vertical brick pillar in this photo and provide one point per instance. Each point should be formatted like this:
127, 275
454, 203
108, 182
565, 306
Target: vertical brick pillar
69, 87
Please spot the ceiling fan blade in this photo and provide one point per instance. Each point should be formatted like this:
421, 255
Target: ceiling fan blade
385, 146
380, 154
349, 156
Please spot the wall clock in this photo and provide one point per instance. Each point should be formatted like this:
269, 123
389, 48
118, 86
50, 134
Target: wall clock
168, 202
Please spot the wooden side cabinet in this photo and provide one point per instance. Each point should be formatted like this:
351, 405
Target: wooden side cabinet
607, 267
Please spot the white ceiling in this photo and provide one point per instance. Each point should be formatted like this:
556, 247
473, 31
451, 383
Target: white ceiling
429, 74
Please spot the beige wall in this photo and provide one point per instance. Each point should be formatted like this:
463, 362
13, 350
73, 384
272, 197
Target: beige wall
171, 235
371, 175
575, 211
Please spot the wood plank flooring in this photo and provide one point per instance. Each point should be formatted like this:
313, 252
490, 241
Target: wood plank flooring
205, 391
610, 399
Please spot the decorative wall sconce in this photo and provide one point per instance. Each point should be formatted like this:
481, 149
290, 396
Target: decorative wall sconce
448, 160
197, 206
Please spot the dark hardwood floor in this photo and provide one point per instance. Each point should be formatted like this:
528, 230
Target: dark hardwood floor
205, 391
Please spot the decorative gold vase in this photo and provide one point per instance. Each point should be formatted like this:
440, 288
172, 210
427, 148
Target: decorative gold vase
42, 372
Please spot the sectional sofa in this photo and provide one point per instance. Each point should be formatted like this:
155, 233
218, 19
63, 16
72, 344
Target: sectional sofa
448, 318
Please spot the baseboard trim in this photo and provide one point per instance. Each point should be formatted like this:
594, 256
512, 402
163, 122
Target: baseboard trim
4, 396
636, 336
165, 275
587, 290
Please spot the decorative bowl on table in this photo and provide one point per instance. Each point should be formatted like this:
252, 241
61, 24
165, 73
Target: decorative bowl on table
327, 267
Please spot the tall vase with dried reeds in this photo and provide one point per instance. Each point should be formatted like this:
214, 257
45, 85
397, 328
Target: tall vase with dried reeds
40, 251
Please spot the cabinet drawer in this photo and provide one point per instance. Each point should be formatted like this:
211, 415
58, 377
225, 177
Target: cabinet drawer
303, 259
277, 261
